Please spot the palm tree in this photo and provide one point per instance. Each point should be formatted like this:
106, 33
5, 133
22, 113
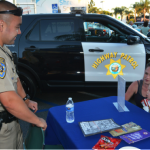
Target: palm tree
116, 11
145, 6
91, 4
136, 7
105, 12
121, 11
128, 13
92, 9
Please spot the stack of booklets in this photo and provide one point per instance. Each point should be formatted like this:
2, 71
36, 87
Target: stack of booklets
126, 128
98, 126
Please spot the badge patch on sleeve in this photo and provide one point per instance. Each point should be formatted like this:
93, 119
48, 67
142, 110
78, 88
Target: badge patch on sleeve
2, 68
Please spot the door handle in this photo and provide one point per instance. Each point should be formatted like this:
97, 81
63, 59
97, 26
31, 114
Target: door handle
31, 48
96, 50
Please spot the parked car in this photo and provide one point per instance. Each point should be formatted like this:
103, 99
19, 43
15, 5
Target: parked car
55, 51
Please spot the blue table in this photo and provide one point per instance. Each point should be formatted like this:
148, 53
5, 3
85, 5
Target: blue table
70, 134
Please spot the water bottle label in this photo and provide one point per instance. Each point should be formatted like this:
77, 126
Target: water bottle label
69, 109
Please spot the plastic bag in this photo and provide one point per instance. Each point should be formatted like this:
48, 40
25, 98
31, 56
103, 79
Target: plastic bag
106, 142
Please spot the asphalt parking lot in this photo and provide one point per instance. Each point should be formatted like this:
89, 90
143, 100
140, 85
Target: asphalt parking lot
56, 97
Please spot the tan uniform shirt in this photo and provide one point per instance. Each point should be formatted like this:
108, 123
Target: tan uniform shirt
8, 75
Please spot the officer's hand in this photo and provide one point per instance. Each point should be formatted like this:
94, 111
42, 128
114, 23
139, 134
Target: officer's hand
42, 124
32, 105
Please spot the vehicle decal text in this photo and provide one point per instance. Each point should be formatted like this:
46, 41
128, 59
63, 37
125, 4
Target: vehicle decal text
124, 56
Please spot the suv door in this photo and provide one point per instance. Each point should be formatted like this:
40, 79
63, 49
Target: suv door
107, 54
52, 50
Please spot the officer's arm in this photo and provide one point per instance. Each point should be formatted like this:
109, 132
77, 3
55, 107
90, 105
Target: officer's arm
16, 106
131, 90
20, 89
31, 104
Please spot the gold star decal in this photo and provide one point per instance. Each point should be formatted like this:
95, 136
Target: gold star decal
115, 68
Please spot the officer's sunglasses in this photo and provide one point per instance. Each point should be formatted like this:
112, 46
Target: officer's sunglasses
16, 12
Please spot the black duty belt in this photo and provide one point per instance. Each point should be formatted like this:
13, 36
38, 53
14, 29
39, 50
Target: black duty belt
6, 117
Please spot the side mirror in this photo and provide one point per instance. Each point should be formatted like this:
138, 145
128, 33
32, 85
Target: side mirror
133, 40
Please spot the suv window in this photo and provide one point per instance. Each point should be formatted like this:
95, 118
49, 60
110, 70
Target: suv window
98, 32
33, 34
57, 30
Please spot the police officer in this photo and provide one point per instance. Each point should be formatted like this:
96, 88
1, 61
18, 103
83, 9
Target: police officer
14, 103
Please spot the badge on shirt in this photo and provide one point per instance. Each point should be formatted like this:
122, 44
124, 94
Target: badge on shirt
2, 68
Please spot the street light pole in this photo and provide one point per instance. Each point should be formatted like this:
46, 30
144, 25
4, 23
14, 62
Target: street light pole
14, 1
102, 4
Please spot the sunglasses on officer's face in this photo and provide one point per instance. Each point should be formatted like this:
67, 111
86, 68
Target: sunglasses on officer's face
16, 12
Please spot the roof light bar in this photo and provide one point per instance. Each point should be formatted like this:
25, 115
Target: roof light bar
78, 10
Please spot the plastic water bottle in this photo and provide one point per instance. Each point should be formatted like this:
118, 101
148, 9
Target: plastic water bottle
70, 110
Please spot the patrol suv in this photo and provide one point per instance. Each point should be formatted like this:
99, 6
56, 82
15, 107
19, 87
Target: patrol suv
59, 50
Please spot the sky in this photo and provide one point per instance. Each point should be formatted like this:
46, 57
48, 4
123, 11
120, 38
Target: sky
109, 4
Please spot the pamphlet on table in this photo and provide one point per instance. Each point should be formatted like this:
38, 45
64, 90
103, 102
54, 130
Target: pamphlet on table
98, 126
135, 136
127, 128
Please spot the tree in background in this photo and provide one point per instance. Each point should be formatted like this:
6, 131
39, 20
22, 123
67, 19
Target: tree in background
137, 9
145, 7
92, 8
128, 13
122, 11
91, 4
105, 12
119, 10
116, 11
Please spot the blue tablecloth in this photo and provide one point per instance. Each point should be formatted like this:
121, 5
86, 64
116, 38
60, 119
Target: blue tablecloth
70, 134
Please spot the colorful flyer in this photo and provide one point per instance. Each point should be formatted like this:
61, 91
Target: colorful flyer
127, 128
135, 136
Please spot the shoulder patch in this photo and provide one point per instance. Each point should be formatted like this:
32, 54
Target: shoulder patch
2, 68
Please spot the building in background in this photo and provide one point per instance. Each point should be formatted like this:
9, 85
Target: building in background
49, 6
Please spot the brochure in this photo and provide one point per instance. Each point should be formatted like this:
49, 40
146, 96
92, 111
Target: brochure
127, 128
98, 126
135, 136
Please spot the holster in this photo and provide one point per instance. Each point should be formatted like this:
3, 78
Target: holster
6, 117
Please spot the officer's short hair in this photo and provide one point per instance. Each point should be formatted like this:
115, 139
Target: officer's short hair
7, 4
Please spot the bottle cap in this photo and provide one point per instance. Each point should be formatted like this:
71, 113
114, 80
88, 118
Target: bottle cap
70, 98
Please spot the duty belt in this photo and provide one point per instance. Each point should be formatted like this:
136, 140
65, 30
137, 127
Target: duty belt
6, 117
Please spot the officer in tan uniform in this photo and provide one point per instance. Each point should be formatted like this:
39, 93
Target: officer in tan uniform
14, 103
